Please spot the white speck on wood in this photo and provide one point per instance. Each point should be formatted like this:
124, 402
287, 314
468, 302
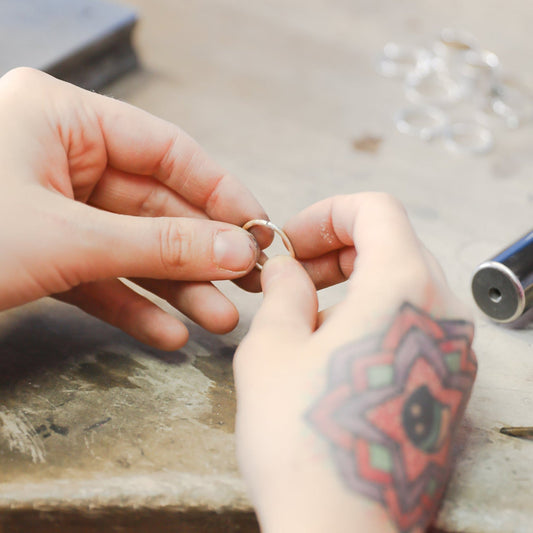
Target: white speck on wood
21, 436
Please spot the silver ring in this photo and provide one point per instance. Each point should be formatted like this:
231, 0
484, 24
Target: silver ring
266, 223
453, 42
476, 139
434, 87
423, 122
397, 60
513, 105
482, 60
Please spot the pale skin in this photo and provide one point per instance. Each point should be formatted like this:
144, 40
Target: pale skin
303, 430
94, 190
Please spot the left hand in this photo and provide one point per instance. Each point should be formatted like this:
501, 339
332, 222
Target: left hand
93, 189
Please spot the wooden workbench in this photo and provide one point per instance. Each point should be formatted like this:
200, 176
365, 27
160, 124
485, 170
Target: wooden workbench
98, 431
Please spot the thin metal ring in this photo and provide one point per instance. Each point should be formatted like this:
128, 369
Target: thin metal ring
396, 60
485, 138
266, 223
513, 105
454, 42
434, 87
479, 60
405, 121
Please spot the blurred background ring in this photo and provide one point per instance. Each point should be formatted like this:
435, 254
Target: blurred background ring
435, 87
469, 137
423, 122
398, 60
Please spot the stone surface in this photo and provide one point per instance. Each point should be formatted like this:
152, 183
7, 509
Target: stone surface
284, 95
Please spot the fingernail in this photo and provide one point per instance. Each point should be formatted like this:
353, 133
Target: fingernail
235, 250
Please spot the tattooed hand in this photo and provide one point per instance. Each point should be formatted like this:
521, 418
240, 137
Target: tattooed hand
346, 417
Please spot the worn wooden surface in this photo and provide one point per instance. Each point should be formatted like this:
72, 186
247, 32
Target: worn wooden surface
285, 96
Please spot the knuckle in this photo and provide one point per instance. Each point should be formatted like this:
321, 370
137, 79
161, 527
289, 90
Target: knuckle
154, 203
22, 79
166, 166
415, 273
386, 201
410, 279
22, 75
174, 245
218, 185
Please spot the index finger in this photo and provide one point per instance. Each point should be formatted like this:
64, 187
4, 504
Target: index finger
375, 224
140, 143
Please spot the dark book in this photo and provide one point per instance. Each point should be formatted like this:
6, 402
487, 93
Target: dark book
85, 42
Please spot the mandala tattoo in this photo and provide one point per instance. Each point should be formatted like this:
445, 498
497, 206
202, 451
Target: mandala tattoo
390, 410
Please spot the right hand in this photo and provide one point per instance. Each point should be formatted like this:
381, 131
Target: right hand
346, 417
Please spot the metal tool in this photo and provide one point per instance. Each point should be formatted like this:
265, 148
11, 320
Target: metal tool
519, 431
503, 286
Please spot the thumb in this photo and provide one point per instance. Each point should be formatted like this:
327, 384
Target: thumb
290, 303
113, 245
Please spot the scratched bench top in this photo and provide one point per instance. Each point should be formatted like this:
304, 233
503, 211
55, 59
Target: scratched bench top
90, 416
286, 97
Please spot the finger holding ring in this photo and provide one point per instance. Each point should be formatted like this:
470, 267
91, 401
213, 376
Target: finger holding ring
266, 223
